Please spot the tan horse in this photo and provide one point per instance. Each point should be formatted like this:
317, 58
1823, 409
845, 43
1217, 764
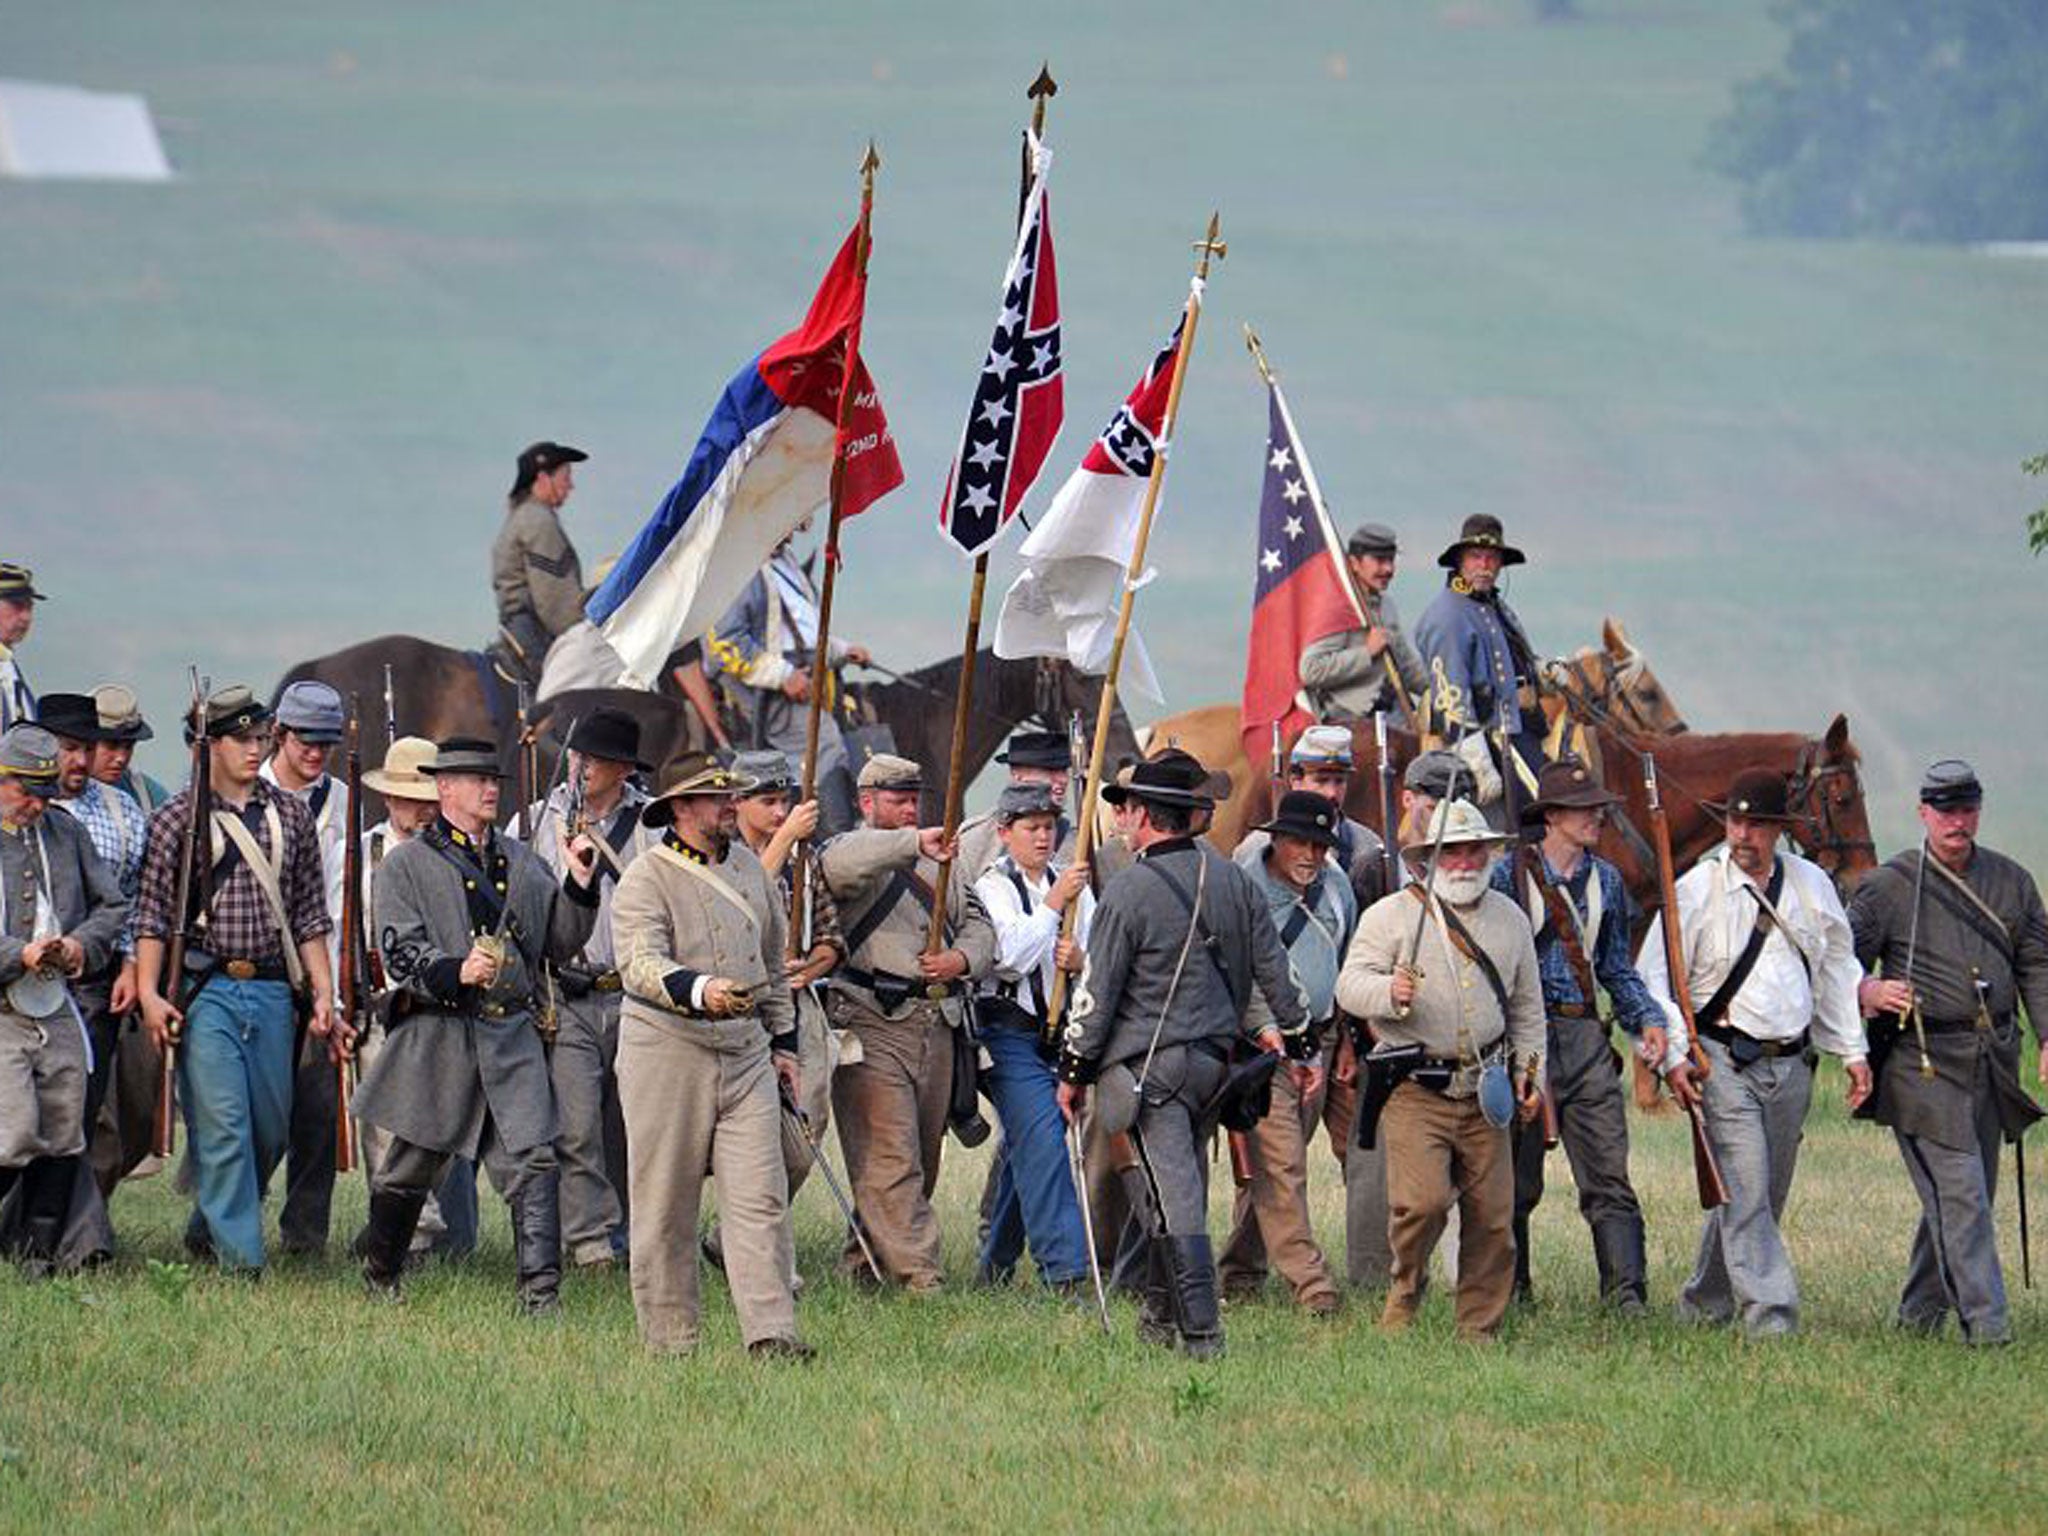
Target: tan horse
1606, 687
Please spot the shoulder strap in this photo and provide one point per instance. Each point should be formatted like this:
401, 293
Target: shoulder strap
713, 879
878, 911
266, 872
1201, 928
1563, 920
1978, 915
484, 902
1471, 950
1717, 1005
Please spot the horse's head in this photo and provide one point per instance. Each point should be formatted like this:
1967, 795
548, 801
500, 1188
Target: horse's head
1830, 820
1611, 685
1060, 690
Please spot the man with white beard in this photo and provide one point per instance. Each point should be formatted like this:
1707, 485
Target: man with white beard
1445, 973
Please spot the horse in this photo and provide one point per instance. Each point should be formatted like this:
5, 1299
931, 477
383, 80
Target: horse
1608, 687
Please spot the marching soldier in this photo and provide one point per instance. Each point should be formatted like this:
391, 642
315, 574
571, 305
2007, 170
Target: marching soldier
535, 574
1311, 905
1180, 939
1768, 947
18, 599
707, 1049
1963, 943
902, 1013
1444, 971
122, 729
61, 916
1320, 762
604, 748
1579, 907
1481, 665
1346, 675
309, 726
1033, 757
764, 648
465, 919
262, 942
1026, 895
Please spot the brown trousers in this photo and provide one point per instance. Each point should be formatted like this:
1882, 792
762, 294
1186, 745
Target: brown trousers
1270, 1217
891, 1109
691, 1110
1441, 1153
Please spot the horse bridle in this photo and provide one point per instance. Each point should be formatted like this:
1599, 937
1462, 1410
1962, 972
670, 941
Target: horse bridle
1570, 680
1813, 810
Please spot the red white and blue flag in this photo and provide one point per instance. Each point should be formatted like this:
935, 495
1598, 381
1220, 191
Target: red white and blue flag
763, 464
1066, 600
1020, 399
1300, 592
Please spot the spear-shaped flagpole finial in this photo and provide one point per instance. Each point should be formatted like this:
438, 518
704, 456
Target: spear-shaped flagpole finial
1251, 342
1209, 245
870, 163
1044, 85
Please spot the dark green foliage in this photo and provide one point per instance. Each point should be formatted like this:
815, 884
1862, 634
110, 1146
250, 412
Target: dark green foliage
1896, 118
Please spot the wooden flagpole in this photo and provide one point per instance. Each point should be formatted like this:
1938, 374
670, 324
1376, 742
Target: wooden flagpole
1208, 247
1039, 91
822, 658
1367, 611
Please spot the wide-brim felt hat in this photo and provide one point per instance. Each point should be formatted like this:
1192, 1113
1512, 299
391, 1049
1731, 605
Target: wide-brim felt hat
1567, 785
465, 754
1461, 824
1758, 794
698, 774
1173, 777
120, 714
70, 715
1305, 814
19, 582
1482, 530
403, 775
610, 734
1037, 749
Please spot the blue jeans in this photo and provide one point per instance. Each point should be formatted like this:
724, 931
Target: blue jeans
235, 1067
1035, 1200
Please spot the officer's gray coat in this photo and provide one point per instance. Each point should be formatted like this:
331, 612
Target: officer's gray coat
87, 901
1952, 949
447, 1066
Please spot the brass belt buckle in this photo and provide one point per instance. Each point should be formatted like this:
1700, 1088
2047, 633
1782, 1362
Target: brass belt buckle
241, 970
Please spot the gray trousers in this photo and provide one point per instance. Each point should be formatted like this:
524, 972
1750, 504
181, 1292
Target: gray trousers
409, 1168
309, 1154
1954, 1265
1755, 1119
591, 1145
1592, 1123
1368, 1256
1169, 1140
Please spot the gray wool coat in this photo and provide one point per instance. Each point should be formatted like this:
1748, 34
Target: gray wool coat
89, 907
448, 1065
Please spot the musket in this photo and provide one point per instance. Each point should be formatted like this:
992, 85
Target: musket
1279, 771
2019, 1178
1436, 850
1076, 1167
1912, 1009
494, 941
1390, 808
195, 872
1706, 1168
824, 1167
390, 708
354, 960
524, 765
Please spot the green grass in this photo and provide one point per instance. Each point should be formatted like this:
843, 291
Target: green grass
127, 1404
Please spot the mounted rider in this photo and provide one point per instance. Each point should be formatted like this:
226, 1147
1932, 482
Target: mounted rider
536, 576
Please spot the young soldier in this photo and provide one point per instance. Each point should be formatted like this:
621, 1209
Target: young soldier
262, 939
707, 1054
465, 919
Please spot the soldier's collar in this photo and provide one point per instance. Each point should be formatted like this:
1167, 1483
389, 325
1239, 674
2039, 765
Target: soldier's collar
669, 839
1168, 845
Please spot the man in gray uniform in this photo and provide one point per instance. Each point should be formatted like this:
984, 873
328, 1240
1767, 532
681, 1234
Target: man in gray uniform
1350, 675
1962, 940
536, 577
604, 748
466, 918
18, 599
1179, 941
902, 1012
61, 913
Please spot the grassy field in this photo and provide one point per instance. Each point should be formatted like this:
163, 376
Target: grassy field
134, 1399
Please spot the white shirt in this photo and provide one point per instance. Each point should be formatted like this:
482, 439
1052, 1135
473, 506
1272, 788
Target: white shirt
1783, 994
1026, 939
331, 827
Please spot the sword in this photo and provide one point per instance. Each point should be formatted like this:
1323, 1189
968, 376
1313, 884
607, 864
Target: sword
1912, 1009
1074, 1164
1436, 849
803, 1125
2019, 1171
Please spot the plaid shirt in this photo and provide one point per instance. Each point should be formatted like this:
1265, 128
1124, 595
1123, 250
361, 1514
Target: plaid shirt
119, 830
242, 927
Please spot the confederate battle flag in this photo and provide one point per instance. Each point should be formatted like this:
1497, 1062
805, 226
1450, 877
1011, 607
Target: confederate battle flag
1019, 400
1300, 593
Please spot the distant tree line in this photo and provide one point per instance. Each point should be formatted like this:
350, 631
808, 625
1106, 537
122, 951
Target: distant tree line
1910, 119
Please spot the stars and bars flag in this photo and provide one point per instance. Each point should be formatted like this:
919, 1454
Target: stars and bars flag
1066, 600
1019, 400
1300, 592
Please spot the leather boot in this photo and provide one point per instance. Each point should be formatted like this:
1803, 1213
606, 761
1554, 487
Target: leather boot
537, 1244
1524, 1291
1156, 1308
1618, 1252
1193, 1261
45, 1202
386, 1238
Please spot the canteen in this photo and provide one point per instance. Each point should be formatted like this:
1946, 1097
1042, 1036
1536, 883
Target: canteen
1496, 1095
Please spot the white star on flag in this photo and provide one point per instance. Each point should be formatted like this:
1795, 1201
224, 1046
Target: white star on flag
977, 499
1282, 460
999, 364
986, 455
1293, 527
1270, 559
995, 413
1294, 492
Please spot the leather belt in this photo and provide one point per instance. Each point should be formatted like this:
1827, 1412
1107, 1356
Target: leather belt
1572, 1011
607, 981
1951, 1026
1770, 1050
505, 1010
254, 970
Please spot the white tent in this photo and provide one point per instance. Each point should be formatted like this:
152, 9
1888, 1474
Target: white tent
51, 131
